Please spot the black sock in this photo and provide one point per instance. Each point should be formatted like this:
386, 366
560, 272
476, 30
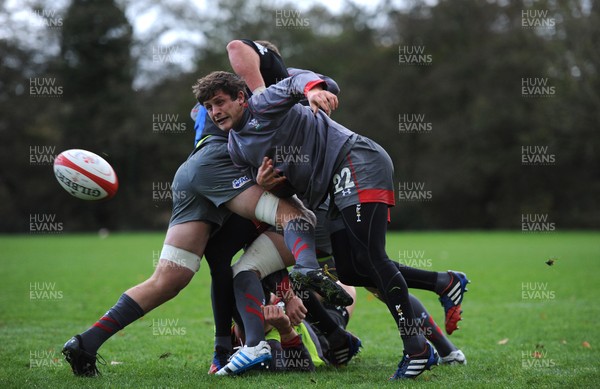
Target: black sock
417, 278
231, 238
430, 329
249, 299
124, 312
443, 281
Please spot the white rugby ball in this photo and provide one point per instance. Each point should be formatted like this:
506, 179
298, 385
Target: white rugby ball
85, 175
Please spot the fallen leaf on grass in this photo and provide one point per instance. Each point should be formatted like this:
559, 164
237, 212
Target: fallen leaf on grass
586, 344
165, 355
503, 341
537, 354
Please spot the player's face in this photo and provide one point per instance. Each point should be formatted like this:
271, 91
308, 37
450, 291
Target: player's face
224, 111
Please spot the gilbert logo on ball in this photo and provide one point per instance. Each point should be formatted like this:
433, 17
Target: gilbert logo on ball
85, 175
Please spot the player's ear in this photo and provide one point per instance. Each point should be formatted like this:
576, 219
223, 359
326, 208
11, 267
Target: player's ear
241, 97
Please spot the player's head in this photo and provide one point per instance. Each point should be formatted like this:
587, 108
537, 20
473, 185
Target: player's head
223, 95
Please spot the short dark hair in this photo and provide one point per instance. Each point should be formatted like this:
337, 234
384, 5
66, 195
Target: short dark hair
206, 87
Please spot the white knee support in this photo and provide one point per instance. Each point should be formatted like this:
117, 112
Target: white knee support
180, 257
262, 257
266, 208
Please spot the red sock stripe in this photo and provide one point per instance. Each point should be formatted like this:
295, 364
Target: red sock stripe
249, 296
255, 311
301, 249
110, 319
296, 243
435, 326
103, 327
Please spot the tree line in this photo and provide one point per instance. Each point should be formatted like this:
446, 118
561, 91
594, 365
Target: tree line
489, 110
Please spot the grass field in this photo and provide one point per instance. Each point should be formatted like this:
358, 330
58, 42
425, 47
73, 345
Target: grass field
517, 307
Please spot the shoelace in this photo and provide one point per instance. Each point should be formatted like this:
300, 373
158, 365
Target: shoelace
328, 273
238, 349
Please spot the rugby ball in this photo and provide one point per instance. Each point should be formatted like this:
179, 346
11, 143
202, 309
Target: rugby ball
85, 175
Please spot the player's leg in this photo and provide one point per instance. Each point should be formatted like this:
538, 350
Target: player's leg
180, 259
366, 236
450, 286
260, 259
222, 246
449, 353
298, 225
363, 191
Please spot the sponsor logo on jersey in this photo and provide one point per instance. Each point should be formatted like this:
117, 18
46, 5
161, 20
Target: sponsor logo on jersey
239, 182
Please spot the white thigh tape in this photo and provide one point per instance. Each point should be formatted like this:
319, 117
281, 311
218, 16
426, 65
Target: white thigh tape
262, 256
266, 208
180, 257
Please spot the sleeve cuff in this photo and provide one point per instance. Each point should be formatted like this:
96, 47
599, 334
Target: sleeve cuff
312, 84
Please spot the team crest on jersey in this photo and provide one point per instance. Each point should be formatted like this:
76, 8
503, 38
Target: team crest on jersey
254, 123
239, 182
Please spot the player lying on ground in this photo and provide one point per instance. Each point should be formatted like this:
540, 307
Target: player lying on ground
255, 263
342, 162
299, 347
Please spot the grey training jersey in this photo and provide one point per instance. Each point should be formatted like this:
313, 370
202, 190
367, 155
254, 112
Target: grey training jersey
305, 149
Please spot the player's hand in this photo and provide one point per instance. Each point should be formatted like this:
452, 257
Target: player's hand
275, 316
319, 98
268, 177
296, 310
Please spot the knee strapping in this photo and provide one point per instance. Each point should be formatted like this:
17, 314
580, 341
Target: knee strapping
261, 257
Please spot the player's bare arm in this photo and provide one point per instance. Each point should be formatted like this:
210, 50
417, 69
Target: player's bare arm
246, 64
